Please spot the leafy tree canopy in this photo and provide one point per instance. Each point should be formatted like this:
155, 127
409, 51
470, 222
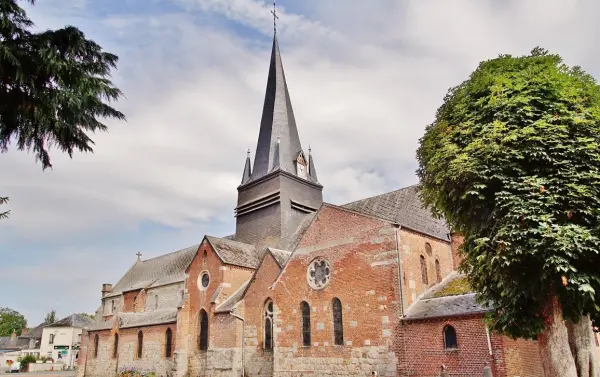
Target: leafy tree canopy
11, 320
512, 161
50, 317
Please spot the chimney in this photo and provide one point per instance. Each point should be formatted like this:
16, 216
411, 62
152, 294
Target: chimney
106, 289
456, 241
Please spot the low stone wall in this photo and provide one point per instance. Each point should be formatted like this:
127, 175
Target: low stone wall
45, 367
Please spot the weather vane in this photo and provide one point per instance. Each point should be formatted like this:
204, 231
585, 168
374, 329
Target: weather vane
275, 18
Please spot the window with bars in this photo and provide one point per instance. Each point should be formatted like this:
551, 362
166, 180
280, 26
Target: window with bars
338, 327
140, 344
203, 341
168, 343
424, 278
438, 271
305, 310
268, 318
116, 346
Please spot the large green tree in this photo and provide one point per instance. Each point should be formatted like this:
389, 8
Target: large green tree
54, 86
512, 161
50, 317
11, 321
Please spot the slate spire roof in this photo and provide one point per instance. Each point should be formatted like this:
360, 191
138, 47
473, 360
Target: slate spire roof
278, 141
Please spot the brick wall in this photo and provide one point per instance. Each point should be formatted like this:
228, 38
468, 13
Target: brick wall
457, 241
129, 301
259, 362
522, 358
83, 352
422, 345
363, 256
412, 245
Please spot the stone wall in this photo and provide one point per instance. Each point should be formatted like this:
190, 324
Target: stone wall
102, 364
153, 351
412, 245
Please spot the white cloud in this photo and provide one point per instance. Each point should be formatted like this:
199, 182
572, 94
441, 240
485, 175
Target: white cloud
364, 82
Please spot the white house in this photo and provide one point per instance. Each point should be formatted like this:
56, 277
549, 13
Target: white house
61, 339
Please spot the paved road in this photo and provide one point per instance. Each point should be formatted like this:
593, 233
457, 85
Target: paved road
42, 374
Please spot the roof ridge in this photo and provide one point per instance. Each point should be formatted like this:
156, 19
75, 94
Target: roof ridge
378, 195
170, 253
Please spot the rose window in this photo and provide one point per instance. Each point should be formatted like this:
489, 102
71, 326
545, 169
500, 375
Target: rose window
318, 273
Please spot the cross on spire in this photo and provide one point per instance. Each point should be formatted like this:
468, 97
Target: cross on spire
139, 255
275, 18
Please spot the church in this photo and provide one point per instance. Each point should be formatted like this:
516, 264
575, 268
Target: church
302, 287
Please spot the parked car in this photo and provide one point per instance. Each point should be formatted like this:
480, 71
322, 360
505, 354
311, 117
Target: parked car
15, 367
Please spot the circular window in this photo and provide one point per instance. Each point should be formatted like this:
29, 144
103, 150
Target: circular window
203, 280
318, 273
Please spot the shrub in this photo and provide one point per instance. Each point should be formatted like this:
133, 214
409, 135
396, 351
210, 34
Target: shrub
25, 360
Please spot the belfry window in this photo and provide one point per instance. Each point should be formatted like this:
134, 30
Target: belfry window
268, 331
168, 343
140, 344
203, 336
424, 278
338, 327
450, 341
305, 310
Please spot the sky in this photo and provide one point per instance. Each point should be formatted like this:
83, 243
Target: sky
365, 78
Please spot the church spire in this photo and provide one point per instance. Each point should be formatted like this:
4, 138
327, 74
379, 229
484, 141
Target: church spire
312, 172
278, 140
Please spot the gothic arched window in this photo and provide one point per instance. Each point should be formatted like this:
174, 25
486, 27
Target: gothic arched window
338, 327
96, 343
268, 330
116, 346
450, 341
424, 271
438, 271
140, 344
305, 309
203, 341
428, 248
168, 343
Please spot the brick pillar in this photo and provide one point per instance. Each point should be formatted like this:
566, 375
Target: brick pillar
82, 359
456, 240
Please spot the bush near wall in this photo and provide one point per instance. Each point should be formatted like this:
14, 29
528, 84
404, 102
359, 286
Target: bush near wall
132, 372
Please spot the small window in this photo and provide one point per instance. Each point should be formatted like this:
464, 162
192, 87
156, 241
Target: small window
438, 271
305, 309
51, 340
268, 333
424, 278
96, 344
140, 344
428, 248
450, 341
338, 326
116, 346
168, 343
204, 255
203, 336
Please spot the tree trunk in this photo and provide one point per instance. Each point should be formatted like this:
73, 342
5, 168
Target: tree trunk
582, 346
555, 353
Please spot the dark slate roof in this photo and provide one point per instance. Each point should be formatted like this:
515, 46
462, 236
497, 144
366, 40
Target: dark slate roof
7, 343
441, 307
278, 141
74, 320
235, 253
165, 269
403, 207
35, 333
154, 317
281, 256
103, 325
231, 302
296, 237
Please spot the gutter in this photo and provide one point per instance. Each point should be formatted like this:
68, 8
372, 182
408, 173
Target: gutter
243, 338
400, 269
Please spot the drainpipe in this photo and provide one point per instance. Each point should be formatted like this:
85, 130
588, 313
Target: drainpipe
400, 269
243, 337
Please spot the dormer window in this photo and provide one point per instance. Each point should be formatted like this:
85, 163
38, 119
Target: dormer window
301, 166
